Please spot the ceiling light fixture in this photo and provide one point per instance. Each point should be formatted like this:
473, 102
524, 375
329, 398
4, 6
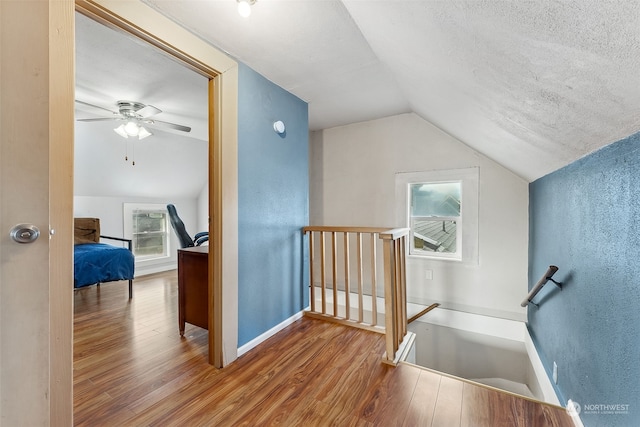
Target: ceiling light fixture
244, 7
131, 128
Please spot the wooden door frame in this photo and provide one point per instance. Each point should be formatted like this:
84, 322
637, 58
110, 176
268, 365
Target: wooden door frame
146, 24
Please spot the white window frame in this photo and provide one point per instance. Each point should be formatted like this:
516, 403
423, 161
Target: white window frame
467, 229
128, 211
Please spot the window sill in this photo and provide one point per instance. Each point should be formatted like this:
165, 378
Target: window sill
434, 258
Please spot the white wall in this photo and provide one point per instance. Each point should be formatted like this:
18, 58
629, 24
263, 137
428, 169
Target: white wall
110, 212
352, 182
165, 164
203, 210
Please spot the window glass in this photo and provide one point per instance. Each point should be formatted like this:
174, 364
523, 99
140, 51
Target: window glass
150, 234
435, 199
435, 217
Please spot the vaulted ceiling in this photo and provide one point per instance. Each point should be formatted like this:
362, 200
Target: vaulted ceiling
534, 84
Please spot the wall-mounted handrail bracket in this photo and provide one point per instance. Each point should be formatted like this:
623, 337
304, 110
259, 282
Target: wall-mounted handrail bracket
558, 284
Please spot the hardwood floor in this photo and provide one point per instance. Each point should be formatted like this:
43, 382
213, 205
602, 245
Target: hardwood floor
131, 368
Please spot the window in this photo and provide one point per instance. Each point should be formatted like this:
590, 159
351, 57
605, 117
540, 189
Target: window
149, 228
441, 209
435, 219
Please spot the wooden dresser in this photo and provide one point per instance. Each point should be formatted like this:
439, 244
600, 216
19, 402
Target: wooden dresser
192, 287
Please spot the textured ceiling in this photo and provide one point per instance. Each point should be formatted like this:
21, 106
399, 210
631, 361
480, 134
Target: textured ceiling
532, 84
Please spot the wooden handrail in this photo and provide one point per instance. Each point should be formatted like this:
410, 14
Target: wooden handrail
343, 229
394, 234
423, 312
543, 281
393, 242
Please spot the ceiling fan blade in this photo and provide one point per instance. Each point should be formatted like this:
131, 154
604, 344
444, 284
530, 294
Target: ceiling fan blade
100, 119
96, 106
160, 123
127, 111
148, 111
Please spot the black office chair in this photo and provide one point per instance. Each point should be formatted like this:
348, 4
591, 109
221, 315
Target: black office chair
178, 226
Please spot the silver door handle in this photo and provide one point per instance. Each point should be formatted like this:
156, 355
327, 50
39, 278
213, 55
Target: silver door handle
24, 233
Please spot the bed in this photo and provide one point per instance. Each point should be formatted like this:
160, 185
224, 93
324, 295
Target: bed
95, 262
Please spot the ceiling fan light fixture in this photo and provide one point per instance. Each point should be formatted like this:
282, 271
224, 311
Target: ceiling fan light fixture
120, 131
143, 133
132, 128
244, 7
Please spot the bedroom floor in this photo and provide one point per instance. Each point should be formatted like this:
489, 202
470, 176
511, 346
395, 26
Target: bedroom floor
131, 368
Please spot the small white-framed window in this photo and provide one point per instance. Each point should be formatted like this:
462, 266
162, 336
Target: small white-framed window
149, 228
441, 209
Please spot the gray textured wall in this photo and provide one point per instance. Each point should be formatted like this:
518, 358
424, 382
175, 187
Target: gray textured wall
585, 218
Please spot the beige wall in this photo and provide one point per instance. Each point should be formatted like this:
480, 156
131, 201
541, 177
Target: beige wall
352, 177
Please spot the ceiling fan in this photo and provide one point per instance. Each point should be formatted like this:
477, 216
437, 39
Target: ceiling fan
135, 115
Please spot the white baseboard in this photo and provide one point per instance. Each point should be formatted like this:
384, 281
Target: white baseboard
271, 332
546, 387
152, 269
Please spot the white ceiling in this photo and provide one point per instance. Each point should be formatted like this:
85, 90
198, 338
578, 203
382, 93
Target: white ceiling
532, 84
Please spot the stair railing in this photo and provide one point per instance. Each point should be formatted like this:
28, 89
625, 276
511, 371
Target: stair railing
346, 288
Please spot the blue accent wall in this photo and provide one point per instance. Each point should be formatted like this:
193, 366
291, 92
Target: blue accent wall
273, 205
585, 218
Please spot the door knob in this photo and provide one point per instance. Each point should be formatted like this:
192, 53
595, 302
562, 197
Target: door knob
25, 233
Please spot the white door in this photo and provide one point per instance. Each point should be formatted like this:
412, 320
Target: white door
36, 129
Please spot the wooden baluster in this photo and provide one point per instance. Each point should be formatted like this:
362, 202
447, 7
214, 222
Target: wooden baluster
389, 300
360, 277
323, 274
396, 291
374, 281
397, 296
402, 286
311, 284
334, 265
347, 287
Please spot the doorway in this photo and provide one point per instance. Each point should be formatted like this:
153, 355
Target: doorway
118, 77
46, 28
149, 27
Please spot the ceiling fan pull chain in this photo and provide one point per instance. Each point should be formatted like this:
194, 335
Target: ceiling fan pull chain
133, 152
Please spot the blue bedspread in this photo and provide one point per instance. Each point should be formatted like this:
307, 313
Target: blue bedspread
99, 262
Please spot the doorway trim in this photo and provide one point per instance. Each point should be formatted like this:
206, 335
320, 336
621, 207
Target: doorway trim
145, 23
